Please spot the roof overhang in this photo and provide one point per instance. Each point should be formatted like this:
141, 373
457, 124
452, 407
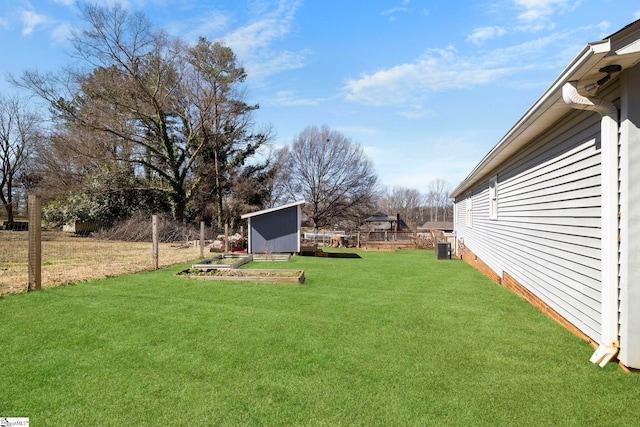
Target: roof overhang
278, 208
621, 48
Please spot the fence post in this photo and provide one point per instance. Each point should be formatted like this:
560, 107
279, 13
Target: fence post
154, 238
201, 239
226, 238
35, 242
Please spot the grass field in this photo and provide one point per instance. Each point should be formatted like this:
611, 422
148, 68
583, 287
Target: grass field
68, 258
389, 339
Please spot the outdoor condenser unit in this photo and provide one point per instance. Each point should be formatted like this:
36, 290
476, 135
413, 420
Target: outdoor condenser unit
443, 250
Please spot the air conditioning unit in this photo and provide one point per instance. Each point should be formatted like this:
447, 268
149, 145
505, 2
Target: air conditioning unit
443, 250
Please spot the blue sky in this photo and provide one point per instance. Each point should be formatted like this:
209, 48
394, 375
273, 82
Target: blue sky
426, 87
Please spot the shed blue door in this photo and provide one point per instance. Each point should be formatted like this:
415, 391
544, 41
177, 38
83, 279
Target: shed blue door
275, 232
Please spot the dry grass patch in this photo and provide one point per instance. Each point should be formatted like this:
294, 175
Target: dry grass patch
67, 258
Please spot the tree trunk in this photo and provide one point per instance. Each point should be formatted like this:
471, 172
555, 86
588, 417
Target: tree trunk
8, 202
218, 187
178, 204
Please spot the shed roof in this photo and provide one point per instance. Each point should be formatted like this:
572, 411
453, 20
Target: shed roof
622, 48
266, 211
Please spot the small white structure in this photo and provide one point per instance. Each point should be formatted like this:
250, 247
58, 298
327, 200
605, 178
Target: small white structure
275, 230
553, 210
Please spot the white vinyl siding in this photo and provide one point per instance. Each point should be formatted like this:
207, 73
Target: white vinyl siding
548, 235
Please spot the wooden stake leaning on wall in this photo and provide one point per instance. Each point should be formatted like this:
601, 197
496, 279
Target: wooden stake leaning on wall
154, 237
35, 242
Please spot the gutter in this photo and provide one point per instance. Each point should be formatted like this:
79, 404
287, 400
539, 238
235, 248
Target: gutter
610, 342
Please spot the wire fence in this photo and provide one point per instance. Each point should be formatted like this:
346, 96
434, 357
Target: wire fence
69, 257
375, 240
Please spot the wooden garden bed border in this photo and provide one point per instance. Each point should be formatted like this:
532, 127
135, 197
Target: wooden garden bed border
296, 277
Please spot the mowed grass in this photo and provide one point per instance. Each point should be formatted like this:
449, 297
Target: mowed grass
389, 339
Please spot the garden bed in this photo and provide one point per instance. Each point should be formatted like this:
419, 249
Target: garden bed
245, 275
228, 261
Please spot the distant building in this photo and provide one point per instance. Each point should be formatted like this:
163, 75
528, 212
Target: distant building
380, 221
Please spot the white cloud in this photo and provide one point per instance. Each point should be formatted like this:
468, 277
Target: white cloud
636, 15
416, 112
269, 62
536, 15
480, 35
4, 24
65, 2
408, 85
253, 43
270, 27
209, 23
287, 98
30, 21
436, 70
360, 131
394, 11
61, 33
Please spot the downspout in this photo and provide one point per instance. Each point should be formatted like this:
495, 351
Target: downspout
609, 342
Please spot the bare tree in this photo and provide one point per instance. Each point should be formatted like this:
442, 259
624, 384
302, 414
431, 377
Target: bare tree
408, 202
19, 133
332, 174
438, 200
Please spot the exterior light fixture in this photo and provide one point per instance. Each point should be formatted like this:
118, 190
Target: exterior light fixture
609, 69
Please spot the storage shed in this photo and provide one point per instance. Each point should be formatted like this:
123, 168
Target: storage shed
552, 211
275, 230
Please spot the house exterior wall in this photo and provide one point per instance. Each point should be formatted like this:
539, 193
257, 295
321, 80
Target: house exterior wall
630, 218
275, 232
553, 210
545, 233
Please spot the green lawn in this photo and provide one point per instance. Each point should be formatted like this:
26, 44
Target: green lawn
389, 339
